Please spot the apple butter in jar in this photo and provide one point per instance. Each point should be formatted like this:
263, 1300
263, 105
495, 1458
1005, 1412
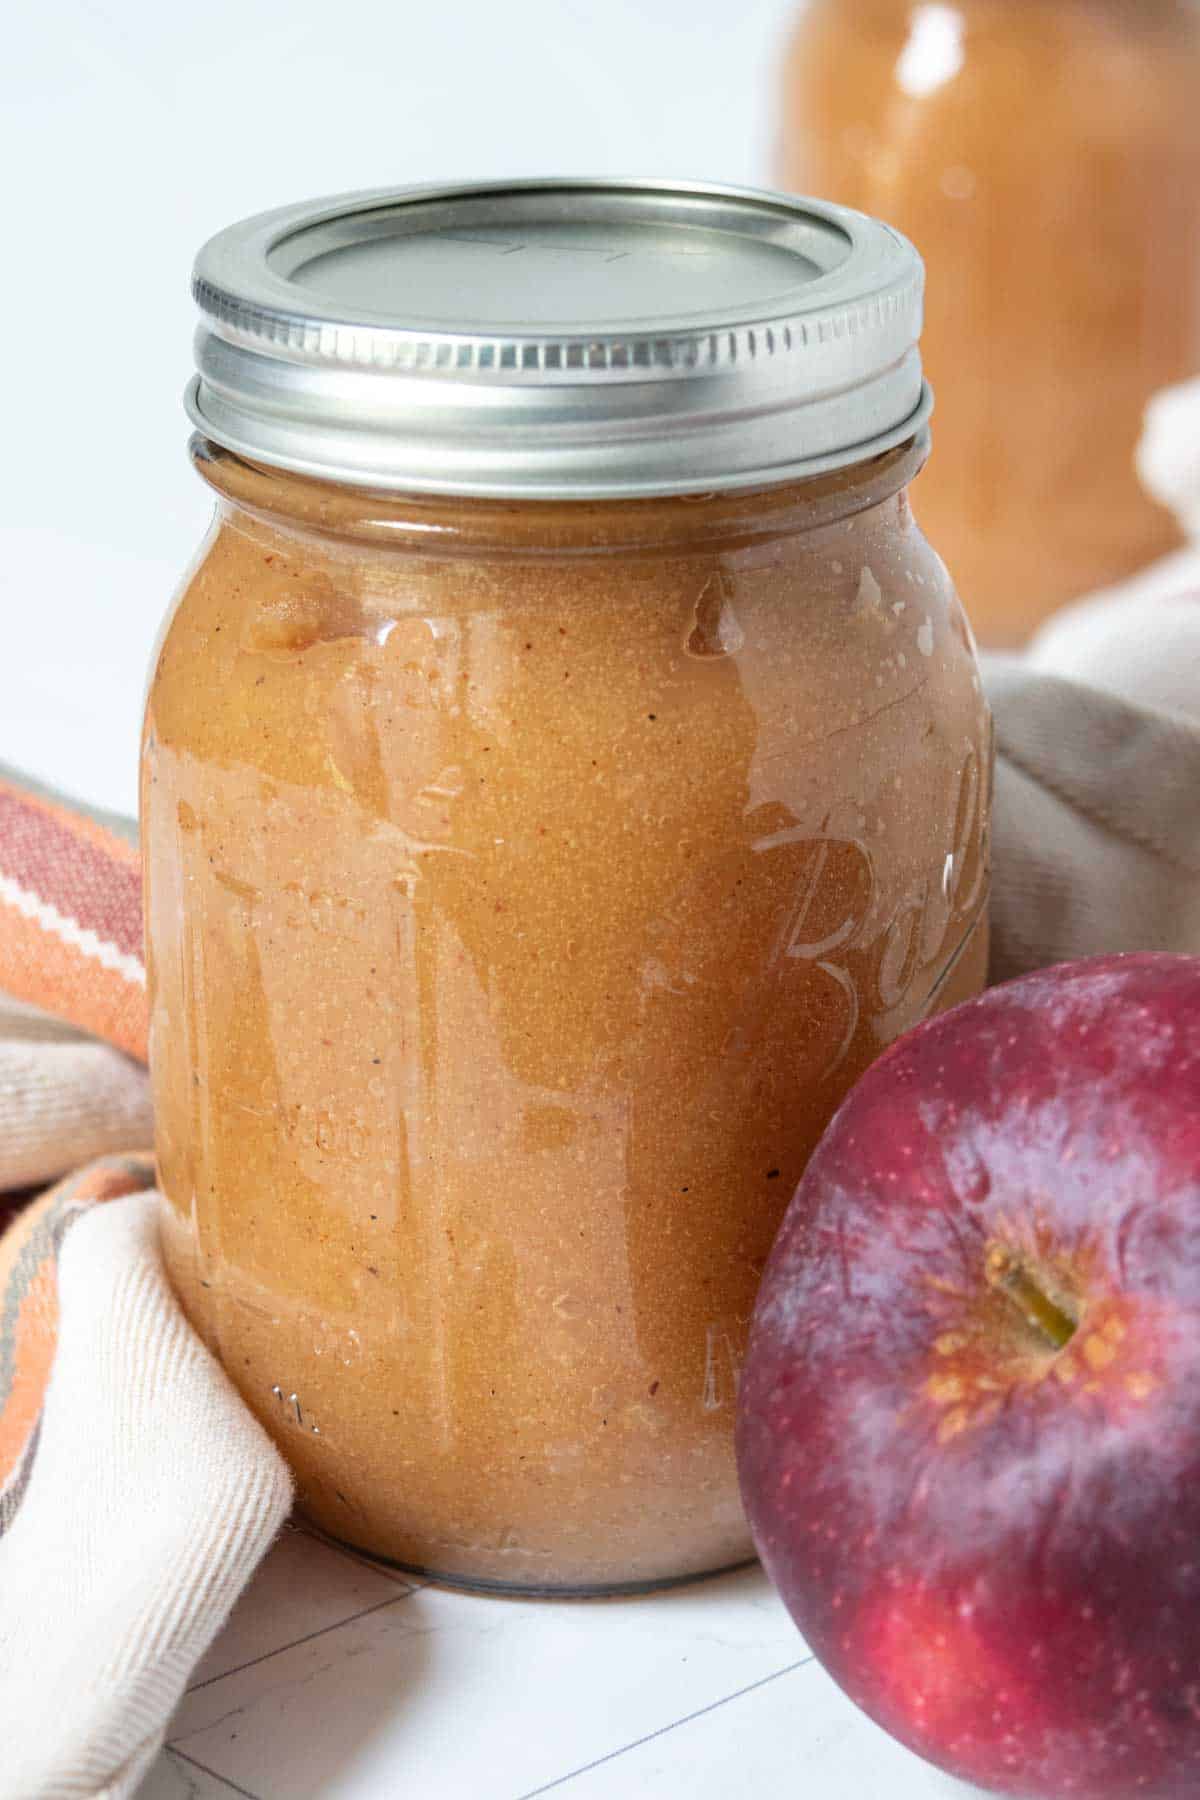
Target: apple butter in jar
1045, 157
565, 770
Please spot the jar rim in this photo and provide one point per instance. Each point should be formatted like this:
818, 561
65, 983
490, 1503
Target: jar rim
443, 525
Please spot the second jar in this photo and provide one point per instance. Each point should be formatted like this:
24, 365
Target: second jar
566, 769
1045, 155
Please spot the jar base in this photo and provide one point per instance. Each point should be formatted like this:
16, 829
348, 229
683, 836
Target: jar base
515, 1590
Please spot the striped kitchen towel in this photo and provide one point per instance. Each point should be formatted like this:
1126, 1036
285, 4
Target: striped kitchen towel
71, 913
137, 1493
72, 1084
72, 987
29, 1309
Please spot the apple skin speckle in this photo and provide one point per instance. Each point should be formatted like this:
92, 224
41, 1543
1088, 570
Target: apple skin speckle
979, 1495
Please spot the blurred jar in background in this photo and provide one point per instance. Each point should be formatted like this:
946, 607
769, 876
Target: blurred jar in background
1044, 155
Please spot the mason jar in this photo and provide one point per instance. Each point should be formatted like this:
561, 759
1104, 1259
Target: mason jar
565, 770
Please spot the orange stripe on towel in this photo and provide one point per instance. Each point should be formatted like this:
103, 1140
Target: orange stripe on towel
38, 965
29, 1305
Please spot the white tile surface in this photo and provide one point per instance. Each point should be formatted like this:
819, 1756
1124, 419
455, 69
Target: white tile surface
443, 1687
173, 1777
337, 1679
303, 1587
795, 1735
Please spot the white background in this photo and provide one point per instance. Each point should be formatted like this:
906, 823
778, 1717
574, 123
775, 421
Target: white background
130, 132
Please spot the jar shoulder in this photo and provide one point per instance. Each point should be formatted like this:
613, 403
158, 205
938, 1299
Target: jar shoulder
364, 677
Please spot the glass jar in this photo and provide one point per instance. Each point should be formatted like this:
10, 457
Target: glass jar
529, 877
1045, 156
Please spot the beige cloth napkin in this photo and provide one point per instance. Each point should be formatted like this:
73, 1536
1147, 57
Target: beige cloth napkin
151, 1499
1096, 833
1097, 821
138, 1493
64, 1098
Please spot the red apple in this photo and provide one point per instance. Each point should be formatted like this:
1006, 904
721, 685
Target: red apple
969, 1420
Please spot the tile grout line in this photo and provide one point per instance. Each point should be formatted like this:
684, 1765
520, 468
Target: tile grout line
611, 1755
322, 1631
204, 1770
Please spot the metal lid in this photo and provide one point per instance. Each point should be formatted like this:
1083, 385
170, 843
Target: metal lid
564, 339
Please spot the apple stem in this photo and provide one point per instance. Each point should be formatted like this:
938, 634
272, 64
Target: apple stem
1007, 1273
